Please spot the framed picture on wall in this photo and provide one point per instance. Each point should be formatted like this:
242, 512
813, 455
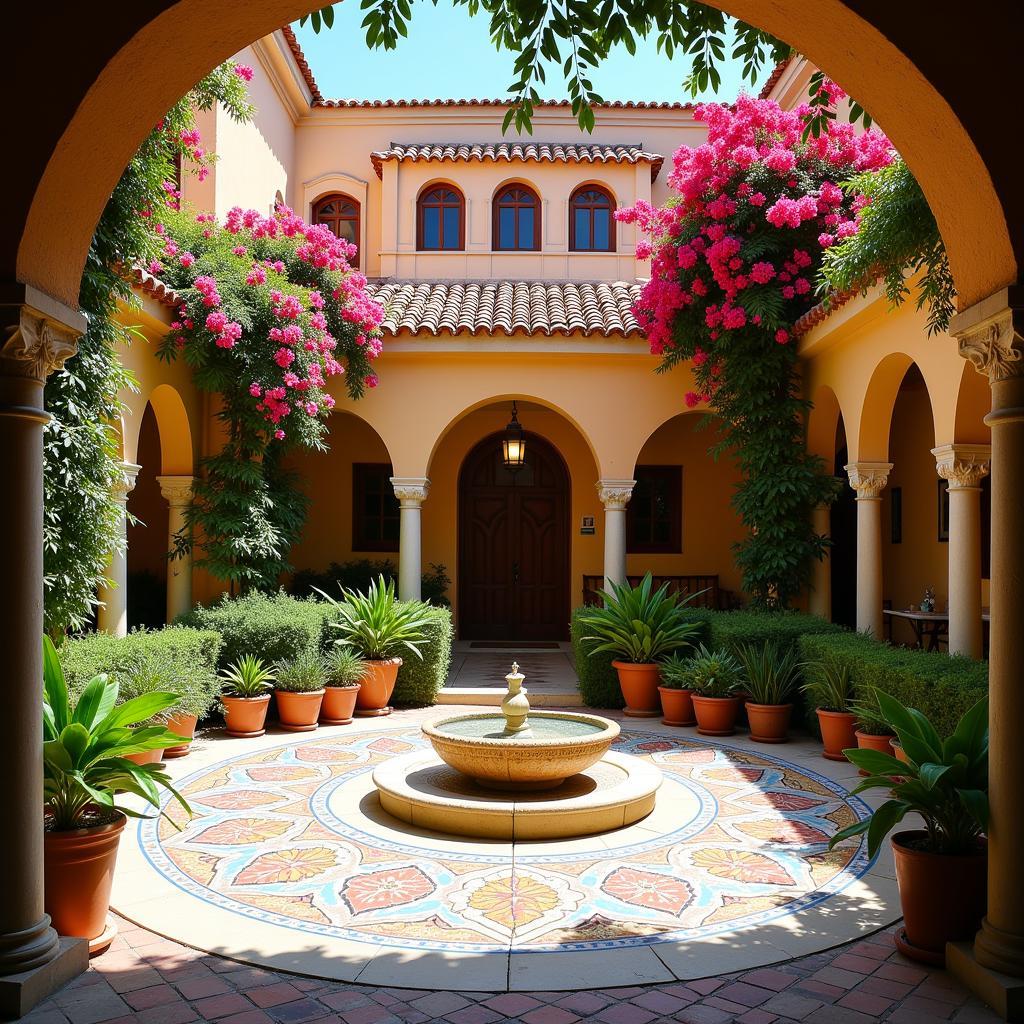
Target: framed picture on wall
896, 515
943, 504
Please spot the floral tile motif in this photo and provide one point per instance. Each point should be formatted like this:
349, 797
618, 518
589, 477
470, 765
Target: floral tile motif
387, 888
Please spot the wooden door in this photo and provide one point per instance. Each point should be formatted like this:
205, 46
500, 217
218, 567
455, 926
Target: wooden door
513, 545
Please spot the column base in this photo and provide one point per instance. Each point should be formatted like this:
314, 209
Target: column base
20, 992
1005, 994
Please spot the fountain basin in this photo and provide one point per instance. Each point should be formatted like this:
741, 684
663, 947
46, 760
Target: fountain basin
556, 746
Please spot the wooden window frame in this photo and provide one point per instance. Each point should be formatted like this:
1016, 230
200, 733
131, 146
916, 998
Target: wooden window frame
674, 545
333, 197
422, 204
498, 205
574, 204
360, 542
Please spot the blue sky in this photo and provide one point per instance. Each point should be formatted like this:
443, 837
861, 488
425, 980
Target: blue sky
448, 54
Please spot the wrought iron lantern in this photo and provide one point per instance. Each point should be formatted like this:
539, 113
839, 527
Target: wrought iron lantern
513, 444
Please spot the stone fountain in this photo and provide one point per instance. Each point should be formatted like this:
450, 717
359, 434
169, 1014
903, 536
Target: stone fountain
519, 774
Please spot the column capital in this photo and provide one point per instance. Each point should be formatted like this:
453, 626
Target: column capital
963, 465
615, 494
990, 334
126, 484
411, 491
176, 490
868, 479
37, 334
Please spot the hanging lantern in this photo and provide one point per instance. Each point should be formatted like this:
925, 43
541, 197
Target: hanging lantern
513, 444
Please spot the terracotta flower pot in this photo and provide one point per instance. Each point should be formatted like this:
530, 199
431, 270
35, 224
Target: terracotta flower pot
838, 733
376, 687
298, 712
943, 897
676, 706
873, 741
639, 685
147, 757
245, 716
183, 725
716, 716
896, 749
78, 870
769, 723
339, 705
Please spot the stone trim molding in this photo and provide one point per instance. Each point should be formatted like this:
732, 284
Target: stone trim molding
868, 479
176, 490
36, 344
963, 465
615, 494
411, 491
990, 334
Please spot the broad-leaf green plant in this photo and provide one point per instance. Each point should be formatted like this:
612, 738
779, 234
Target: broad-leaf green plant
772, 673
248, 677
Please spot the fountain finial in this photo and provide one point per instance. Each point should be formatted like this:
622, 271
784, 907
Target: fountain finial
515, 707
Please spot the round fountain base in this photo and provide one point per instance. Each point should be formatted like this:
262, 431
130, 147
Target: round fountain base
422, 790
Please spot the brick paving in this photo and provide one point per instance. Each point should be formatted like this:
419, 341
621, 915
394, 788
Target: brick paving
146, 978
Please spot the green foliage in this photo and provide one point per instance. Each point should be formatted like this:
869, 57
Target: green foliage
711, 673
945, 781
599, 682
772, 672
675, 672
829, 685
305, 673
870, 717
357, 574
731, 629
86, 743
247, 678
897, 239
420, 679
343, 667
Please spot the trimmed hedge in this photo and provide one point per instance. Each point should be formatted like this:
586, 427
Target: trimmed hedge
599, 682
940, 687
420, 679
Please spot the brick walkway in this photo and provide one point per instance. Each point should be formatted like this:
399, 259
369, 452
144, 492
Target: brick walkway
149, 979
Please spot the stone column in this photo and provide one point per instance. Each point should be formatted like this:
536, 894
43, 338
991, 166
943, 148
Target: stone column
36, 336
991, 336
964, 465
820, 601
112, 615
615, 495
177, 490
868, 479
411, 492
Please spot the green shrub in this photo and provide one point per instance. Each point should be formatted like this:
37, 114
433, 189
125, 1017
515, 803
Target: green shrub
358, 573
731, 629
940, 687
599, 682
419, 680
305, 673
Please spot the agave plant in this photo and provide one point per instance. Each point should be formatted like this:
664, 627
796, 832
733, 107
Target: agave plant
248, 677
639, 624
773, 674
713, 673
85, 748
376, 625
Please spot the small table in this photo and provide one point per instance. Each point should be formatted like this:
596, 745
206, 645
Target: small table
931, 625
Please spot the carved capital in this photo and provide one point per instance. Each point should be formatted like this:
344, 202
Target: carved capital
991, 336
176, 490
34, 344
963, 465
126, 484
615, 494
868, 479
411, 491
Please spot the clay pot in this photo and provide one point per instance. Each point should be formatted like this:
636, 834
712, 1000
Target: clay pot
298, 712
78, 870
245, 716
676, 706
183, 725
376, 687
339, 704
943, 897
873, 741
838, 733
146, 757
639, 685
896, 749
769, 723
716, 716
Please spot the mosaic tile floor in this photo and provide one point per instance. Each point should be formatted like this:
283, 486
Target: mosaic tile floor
290, 863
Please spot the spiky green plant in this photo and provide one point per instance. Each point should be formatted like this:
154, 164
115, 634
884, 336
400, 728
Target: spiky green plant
247, 677
344, 667
305, 673
713, 673
772, 674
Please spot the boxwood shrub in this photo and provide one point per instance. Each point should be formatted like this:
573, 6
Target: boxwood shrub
599, 682
419, 680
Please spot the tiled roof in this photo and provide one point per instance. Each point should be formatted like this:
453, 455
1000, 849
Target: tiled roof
773, 79
550, 152
142, 280
300, 59
507, 307
506, 102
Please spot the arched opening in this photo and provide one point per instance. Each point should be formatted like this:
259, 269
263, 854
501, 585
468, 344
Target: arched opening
341, 214
441, 219
516, 226
591, 220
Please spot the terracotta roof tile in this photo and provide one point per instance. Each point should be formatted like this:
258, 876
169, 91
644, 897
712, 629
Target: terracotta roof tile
506, 102
773, 79
508, 307
143, 281
303, 64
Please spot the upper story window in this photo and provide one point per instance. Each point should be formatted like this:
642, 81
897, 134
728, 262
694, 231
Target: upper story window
341, 214
516, 219
440, 220
591, 220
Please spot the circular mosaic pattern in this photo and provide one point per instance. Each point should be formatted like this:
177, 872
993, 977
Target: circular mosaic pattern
293, 836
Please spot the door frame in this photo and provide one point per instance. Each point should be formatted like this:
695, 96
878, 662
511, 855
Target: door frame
494, 439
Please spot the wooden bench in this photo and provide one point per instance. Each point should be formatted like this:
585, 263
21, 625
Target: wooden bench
708, 593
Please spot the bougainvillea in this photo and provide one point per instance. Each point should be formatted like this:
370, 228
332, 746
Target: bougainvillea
734, 261
270, 311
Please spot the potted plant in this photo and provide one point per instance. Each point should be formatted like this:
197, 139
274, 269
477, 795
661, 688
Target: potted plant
344, 671
830, 689
86, 766
676, 702
246, 686
299, 690
714, 677
940, 868
639, 626
873, 732
377, 626
772, 676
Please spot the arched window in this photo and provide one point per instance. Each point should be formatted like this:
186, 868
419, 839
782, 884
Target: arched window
341, 214
591, 220
516, 219
440, 223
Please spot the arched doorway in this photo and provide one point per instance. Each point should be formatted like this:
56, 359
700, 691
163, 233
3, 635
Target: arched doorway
513, 544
